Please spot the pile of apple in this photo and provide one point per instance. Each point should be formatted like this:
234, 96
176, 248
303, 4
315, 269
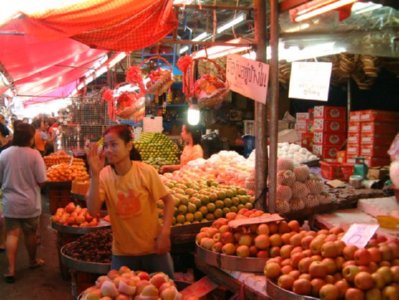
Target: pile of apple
125, 284
75, 216
320, 264
205, 200
256, 240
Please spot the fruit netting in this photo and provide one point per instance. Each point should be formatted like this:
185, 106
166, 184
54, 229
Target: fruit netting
120, 25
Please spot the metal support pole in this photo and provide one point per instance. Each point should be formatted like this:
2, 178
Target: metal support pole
260, 109
274, 90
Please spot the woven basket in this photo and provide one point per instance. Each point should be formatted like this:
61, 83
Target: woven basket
218, 95
165, 80
135, 111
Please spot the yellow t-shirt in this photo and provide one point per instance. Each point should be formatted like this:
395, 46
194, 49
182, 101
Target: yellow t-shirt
191, 153
131, 203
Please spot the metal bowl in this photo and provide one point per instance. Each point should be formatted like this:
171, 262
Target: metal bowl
230, 262
276, 292
84, 266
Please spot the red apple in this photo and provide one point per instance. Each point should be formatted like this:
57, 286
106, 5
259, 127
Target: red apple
330, 264
349, 272
302, 287
262, 254
364, 281
362, 257
375, 254
272, 270
395, 273
316, 284
227, 237
262, 241
342, 286
275, 240
317, 270
306, 240
354, 294
274, 251
329, 292
349, 252
304, 263
285, 251
286, 282
330, 249
386, 274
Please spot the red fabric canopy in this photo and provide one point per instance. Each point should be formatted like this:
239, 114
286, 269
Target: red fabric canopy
38, 67
121, 25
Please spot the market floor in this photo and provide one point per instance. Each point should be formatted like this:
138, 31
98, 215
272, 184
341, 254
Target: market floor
39, 284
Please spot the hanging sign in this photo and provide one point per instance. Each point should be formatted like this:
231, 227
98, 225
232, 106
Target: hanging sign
247, 77
359, 234
310, 80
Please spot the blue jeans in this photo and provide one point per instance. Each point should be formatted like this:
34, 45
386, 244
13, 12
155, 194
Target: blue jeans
150, 263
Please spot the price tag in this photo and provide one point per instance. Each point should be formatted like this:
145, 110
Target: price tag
359, 234
199, 288
257, 220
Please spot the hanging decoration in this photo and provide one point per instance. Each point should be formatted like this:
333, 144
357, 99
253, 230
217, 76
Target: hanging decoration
159, 80
210, 90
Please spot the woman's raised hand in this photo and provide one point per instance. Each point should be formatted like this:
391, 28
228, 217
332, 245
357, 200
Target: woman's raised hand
95, 159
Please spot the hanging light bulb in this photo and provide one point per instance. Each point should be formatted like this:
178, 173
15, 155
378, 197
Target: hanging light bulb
193, 113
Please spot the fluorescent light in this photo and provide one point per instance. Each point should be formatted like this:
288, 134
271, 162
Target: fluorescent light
317, 7
219, 51
240, 18
296, 54
184, 49
193, 115
361, 8
201, 37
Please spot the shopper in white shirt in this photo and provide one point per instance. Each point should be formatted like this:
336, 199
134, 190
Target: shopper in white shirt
22, 173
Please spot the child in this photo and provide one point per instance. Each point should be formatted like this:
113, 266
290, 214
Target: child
131, 189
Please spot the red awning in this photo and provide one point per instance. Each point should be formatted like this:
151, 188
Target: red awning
120, 25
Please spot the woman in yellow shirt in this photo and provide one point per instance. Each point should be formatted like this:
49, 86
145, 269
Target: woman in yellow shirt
131, 190
192, 150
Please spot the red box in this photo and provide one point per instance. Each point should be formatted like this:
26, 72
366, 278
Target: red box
353, 138
336, 170
330, 112
307, 140
354, 127
311, 113
379, 128
376, 139
351, 159
354, 116
329, 125
378, 115
374, 150
377, 161
325, 151
302, 116
303, 125
326, 138
352, 150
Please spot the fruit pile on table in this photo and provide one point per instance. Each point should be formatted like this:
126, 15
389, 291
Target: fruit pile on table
157, 149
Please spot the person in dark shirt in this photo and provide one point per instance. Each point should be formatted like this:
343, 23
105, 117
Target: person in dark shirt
5, 142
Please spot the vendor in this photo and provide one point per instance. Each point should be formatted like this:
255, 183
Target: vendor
131, 190
192, 150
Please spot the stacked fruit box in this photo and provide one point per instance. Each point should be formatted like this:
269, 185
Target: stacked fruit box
303, 126
370, 134
329, 126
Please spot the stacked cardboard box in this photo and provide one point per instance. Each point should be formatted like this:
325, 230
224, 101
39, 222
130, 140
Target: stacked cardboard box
303, 125
329, 126
370, 134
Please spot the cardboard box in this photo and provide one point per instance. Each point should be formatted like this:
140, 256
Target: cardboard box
327, 138
352, 150
377, 139
354, 116
324, 151
302, 116
378, 128
353, 138
374, 150
378, 115
354, 127
303, 125
377, 161
329, 125
329, 112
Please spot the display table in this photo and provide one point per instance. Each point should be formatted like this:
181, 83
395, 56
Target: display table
249, 285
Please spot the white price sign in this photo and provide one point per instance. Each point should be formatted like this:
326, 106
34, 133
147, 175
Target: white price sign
359, 234
310, 80
247, 77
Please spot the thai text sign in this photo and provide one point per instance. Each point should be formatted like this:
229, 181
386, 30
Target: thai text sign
247, 77
359, 234
310, 80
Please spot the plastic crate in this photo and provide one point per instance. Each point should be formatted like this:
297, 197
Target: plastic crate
59, 194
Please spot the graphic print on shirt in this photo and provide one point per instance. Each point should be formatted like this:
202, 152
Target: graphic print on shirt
128, 204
